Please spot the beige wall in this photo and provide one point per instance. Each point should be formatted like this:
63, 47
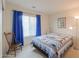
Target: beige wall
70, 22
7, 22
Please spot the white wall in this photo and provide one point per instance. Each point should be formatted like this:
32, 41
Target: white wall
4, 29
48, 22
0, 28
7, 22
70, 22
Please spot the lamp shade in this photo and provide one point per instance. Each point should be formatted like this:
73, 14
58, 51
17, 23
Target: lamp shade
70, 28
76, 17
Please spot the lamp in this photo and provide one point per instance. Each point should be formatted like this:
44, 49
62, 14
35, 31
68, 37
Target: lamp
70, 28
77, 18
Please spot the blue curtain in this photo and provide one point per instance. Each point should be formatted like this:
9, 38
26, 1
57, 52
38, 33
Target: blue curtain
17, 26
38, 25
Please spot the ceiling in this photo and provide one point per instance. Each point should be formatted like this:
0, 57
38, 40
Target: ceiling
47, 6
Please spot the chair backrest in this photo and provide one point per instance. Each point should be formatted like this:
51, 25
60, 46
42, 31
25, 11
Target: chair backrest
9, 36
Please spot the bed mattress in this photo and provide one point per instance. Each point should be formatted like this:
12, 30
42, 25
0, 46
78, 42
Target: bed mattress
52, 44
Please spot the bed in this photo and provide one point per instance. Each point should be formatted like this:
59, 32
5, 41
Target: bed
53, 45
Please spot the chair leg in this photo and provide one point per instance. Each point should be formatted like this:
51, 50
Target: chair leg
21, 48
15, 51
7, 52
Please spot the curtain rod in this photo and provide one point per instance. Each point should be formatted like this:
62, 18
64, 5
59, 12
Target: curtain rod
29, 12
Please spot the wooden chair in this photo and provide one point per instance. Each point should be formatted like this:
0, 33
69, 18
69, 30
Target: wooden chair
12, 45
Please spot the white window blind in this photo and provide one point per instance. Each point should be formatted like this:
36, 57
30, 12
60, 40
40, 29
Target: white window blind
29, 25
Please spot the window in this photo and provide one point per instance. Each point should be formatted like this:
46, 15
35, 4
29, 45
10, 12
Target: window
29, 25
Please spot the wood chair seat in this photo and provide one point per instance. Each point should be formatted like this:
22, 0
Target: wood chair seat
15, 46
